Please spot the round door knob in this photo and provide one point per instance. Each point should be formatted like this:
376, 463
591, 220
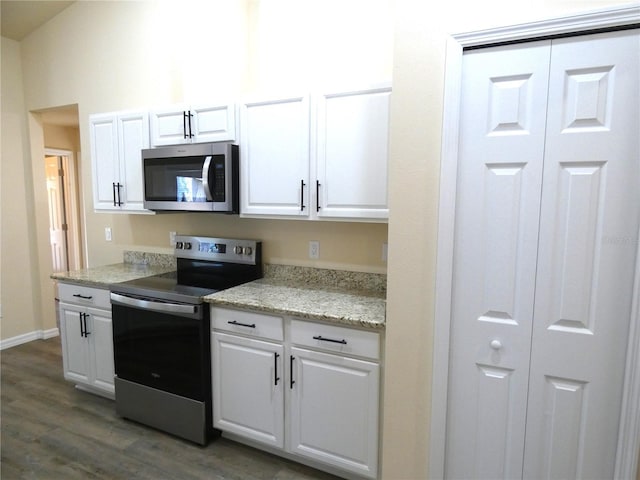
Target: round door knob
496, 344
237, 250
248, 250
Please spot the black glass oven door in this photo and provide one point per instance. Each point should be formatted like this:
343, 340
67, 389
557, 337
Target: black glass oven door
162, 350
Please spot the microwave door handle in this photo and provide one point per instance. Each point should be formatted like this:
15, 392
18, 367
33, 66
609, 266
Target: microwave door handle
205, 178
151, 305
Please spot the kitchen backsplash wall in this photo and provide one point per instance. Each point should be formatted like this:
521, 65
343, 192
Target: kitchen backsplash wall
344, 246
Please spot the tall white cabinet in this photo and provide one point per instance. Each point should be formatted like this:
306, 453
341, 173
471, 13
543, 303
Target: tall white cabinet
546, 234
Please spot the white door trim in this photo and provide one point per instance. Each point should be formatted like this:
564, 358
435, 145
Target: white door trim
629, 436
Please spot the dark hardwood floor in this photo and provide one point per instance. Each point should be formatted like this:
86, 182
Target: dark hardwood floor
51, 430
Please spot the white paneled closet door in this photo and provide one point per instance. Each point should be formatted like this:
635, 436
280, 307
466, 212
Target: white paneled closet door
547, 212
497, 209
586, 259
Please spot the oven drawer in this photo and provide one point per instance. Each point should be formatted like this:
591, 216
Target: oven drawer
332, 338
247, 323
81, 295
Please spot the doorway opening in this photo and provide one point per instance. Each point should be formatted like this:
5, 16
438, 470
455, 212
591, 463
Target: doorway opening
64, 234
61, 139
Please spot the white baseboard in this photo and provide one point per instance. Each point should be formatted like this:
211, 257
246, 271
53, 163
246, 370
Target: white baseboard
29, 337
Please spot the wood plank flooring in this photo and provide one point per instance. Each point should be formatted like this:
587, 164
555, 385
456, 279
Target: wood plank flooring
51, 430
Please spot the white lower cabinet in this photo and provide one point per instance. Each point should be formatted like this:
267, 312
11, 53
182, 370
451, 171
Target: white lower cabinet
248, 393
334, 410
308, 390
87, 338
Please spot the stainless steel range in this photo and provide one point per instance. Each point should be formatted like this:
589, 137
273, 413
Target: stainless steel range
161, 334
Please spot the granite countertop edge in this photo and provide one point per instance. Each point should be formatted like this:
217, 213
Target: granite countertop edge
135, 265
348, 307
330, 296
106, 275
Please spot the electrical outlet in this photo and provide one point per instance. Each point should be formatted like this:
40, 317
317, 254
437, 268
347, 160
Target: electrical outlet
172, 239
107, 234
314, 249
384, 252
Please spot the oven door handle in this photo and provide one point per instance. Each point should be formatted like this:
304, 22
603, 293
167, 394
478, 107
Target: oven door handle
151, 305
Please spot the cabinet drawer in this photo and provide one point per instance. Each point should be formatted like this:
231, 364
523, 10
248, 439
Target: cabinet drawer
332, 338
255, 324
80, 295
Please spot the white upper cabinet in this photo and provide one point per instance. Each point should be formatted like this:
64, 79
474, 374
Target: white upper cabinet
274, 157
193, 124
316, 157
352, 134
117, 139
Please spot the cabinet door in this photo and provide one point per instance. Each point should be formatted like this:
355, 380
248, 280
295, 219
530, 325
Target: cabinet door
75, 347
274, 155
248, 381
169, 126
104, 159
100, 335
351, 154
214, 123
133, 136
334, 410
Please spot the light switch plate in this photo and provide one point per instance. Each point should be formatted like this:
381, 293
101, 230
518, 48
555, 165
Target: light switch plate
107, 234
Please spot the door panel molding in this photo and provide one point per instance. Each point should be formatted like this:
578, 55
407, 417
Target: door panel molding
629, 433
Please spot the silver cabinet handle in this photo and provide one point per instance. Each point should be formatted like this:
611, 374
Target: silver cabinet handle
151, 305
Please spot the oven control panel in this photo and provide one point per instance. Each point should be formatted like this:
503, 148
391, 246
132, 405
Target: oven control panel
218, 249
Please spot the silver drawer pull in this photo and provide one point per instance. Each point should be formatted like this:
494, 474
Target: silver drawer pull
320, 337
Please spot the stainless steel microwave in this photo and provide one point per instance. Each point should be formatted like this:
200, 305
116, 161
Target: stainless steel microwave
199, 177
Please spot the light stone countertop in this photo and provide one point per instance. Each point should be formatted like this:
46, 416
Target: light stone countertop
102, 277
333, 296
136, 265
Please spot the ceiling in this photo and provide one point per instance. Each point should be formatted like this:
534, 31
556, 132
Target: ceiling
19, 18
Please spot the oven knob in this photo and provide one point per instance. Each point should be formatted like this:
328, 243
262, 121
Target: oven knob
248, 250
237, 250
179, 245
187, 245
